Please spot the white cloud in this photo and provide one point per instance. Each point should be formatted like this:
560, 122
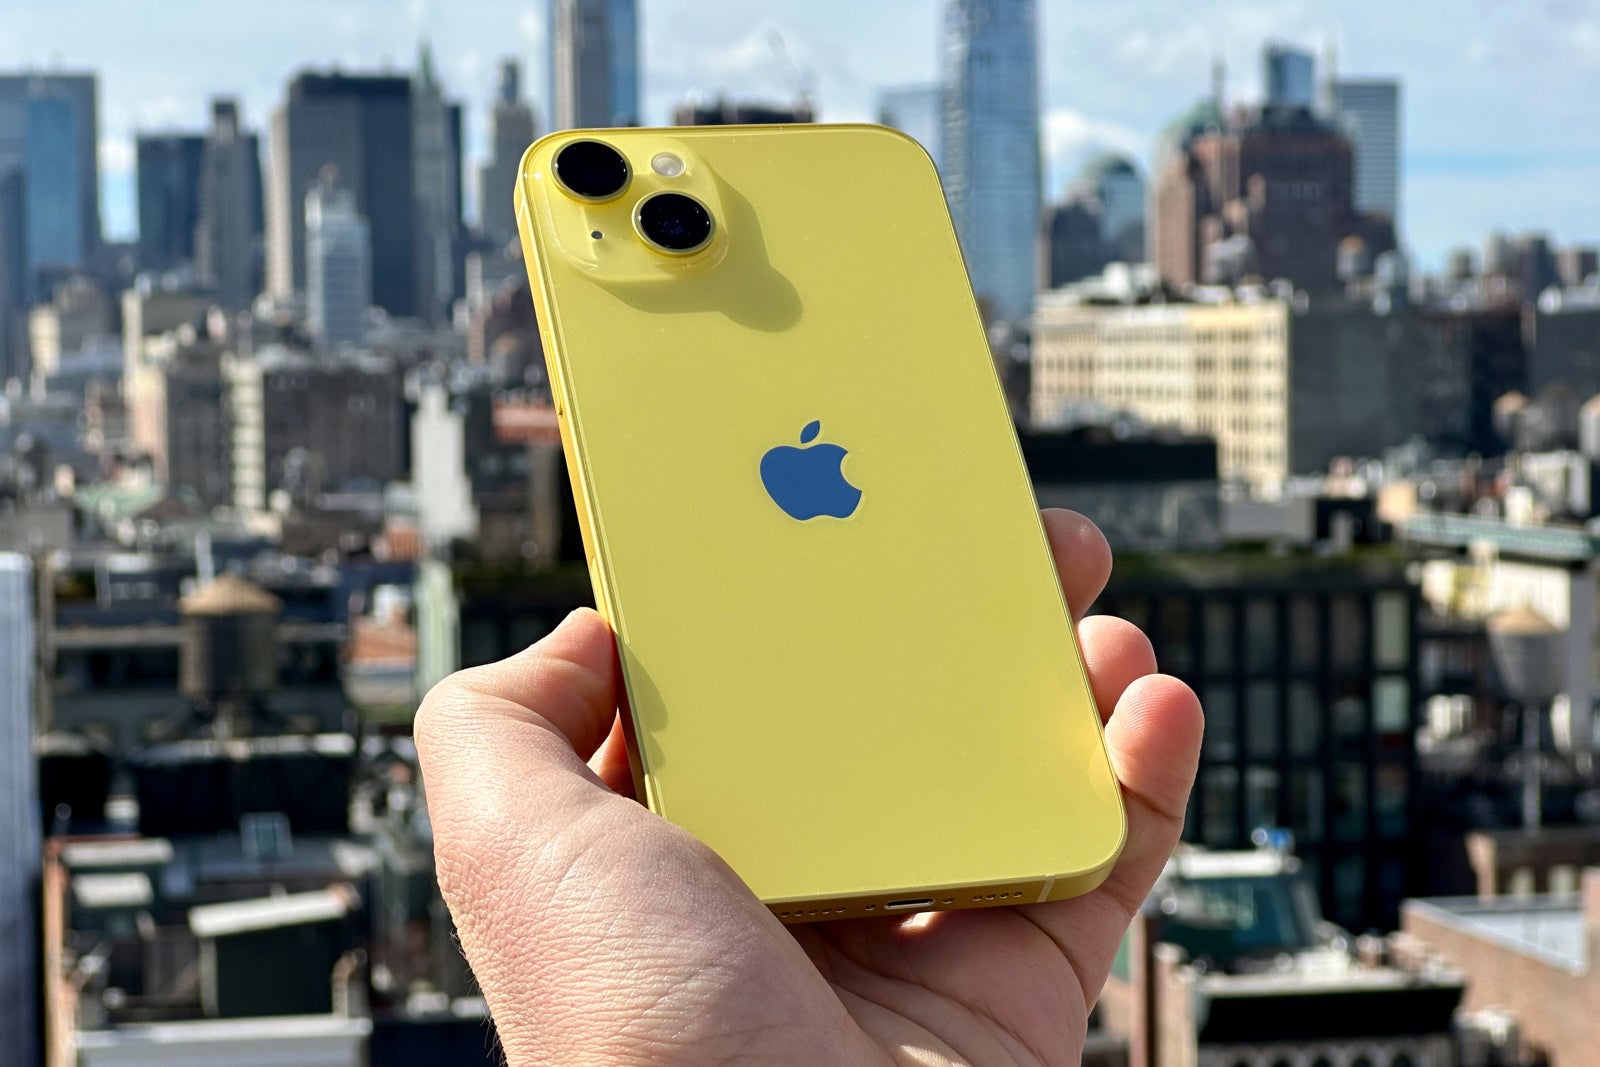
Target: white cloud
417, 12
116, 156
532, 26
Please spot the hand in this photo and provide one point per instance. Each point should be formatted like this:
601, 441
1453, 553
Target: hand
602, 934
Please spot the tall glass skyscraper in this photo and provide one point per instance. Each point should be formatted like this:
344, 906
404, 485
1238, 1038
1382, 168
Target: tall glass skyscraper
990, 154
1368, 109
594, 63
1289, 74
50, 176
625, 62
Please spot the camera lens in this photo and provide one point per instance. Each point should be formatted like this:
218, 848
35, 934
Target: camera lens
592, 170
675, 223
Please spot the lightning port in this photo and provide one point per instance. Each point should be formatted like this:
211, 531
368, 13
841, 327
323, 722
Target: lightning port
908, 905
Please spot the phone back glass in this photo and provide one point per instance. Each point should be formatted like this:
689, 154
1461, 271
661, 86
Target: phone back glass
891, 700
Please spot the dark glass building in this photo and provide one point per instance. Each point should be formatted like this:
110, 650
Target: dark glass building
169, 198
1307, 669
360, 125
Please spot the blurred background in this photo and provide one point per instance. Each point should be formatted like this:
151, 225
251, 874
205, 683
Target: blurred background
1299, 301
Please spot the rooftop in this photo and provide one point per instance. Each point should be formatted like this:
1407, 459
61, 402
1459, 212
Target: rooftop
1548, 929
272, 913
230, 595
1555, 544
296, 1029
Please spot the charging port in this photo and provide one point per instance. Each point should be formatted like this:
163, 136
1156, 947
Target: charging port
908, 905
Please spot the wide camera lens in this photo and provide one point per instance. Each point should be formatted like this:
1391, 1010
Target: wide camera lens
592, 170
675, 223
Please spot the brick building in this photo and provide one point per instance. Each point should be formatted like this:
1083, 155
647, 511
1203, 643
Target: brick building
1537, 958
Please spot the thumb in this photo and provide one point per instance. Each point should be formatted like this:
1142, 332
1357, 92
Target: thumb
556, 700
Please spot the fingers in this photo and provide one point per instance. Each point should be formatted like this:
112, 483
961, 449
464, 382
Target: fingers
1083, 558
564, 683
1117, 654
1153, 739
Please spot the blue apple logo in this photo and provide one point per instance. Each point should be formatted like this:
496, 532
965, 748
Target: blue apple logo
808, 483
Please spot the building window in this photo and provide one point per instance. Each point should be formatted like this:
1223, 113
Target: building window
1221, 706
1306, 806
1349, 890
1391, 625
1177, 635
1348, 636
1262, 787
1219, 638
1391, 791
1350, 802
1304, 720
1221, 808
1391, 710
1261, 636
1350, 730
1261, 720
1305, 634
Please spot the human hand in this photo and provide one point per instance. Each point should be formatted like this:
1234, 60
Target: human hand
602, 934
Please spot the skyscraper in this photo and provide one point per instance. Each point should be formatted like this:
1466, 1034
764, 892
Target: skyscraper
917, 110
169, 198
228, 230
511, 131
625, 63
13, 275
436, 167
51, 170
594, 63
992, 169
338, 265
80, 94
360, 124
19, 818
1290, 75
1368, 110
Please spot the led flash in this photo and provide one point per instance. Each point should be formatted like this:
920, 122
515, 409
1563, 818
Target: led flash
667, 165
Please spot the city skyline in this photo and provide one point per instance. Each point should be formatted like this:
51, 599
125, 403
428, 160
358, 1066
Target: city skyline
1493, 100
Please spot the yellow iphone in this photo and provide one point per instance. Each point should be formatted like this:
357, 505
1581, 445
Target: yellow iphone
849, 667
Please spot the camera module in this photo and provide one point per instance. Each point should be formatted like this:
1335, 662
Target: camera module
674, 223
592, 171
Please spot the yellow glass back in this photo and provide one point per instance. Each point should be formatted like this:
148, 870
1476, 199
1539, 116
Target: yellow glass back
854, 712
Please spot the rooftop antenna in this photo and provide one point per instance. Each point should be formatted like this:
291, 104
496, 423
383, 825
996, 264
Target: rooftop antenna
1219, 84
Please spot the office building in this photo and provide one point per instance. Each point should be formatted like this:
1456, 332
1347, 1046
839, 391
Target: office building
741, 113
1579, 267
625, 93
169, 199
1274, 189
917, 110
13, 275
1229, 965
1101, 221
1368, 110
990, 150
1562, 334
361, 125
308, 424
229, 228
436, 166
51, 173
512, 128
1283, 389
178, 416
1147, 491
584, 57
72, 193
338, 267
1289, 74
1306, 666
19, 818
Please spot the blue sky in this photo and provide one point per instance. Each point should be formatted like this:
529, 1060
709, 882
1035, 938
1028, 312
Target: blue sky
1501, 116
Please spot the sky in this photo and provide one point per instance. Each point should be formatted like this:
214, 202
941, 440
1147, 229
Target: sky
1500, 120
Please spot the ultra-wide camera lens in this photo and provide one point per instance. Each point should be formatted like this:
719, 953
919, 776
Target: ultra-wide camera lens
592, 170
675, 223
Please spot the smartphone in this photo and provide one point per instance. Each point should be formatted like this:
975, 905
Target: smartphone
849, 668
